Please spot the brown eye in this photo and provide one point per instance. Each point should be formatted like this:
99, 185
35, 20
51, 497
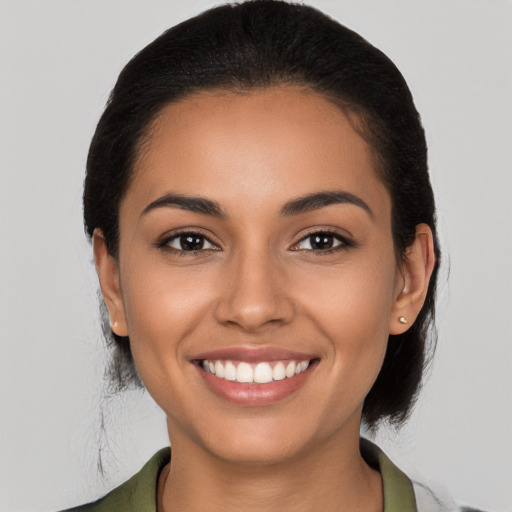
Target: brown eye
189, 242
322, 241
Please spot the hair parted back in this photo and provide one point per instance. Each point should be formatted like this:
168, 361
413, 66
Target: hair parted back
265, 43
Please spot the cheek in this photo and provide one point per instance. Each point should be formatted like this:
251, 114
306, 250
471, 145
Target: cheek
157, 296
162, 308
352, 306
162, 311
358, 294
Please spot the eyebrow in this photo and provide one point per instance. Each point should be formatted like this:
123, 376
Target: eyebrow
303, 204
321, 200
191, 204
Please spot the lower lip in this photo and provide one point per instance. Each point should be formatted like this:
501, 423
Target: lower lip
253, 394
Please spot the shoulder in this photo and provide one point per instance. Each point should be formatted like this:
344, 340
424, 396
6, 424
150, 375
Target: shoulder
403, 494
138, 494
434, 500
428, 500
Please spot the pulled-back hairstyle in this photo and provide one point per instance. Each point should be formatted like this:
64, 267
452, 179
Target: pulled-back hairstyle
265, 43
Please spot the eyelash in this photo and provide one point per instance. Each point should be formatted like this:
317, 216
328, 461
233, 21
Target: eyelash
164, 244
344, 243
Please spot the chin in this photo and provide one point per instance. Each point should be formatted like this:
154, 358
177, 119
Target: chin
250, 441
257, 450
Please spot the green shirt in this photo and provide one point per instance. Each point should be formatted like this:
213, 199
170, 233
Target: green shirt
139, 493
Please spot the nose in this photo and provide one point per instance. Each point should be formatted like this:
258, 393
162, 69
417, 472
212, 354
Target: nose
253, 295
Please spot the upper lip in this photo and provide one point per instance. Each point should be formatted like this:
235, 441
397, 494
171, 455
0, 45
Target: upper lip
254, 355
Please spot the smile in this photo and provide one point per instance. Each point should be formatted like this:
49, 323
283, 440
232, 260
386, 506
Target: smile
261, 373
253, 377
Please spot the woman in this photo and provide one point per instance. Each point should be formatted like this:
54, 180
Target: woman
264, 233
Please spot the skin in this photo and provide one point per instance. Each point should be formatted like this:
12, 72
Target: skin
258, 283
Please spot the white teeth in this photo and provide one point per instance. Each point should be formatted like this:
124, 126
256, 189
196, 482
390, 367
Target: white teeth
230, 371
303, 365
261, 373
278, 373
244, 373
290, 369
219, 370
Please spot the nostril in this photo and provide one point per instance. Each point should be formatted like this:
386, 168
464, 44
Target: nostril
251, 314
253, 293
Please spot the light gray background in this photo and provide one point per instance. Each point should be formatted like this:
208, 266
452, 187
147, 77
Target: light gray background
58, 61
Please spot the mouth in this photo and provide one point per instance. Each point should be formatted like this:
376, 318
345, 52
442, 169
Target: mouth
259, 373
255, 378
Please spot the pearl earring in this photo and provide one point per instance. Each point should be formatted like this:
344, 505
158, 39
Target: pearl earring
402, 320
114, 325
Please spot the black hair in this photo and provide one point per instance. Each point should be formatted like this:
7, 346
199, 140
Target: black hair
266, 43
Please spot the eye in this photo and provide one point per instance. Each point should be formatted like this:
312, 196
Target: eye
322, 241
188, 242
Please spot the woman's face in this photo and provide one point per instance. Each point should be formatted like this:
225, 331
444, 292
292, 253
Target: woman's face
255, 240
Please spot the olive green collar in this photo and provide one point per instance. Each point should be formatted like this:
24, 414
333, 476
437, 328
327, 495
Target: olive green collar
398, 489
139, 493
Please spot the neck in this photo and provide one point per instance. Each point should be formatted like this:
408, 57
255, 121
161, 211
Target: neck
333, 477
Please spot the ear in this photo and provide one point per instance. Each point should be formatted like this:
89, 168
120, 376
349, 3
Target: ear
412, 283
108, 274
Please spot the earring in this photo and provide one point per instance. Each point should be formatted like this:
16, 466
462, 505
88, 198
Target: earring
402, 320
114, 325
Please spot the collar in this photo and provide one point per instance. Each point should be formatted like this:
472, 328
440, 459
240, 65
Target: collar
398, 489
138, 494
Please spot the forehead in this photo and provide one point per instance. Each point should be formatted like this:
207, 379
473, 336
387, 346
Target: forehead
261, 145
